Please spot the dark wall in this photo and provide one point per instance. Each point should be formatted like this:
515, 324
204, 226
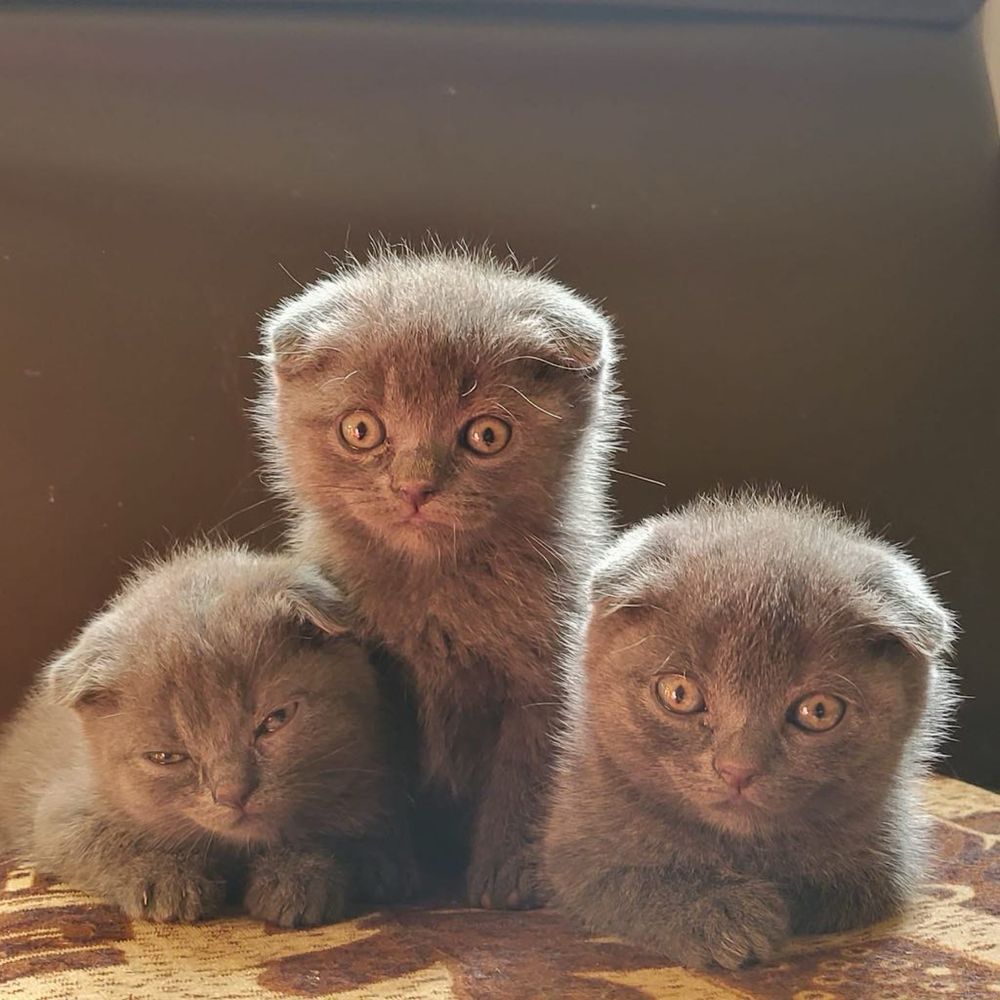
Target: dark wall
796, 225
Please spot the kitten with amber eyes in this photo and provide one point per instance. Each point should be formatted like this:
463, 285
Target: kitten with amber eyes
213, 728
440, 424
763, 684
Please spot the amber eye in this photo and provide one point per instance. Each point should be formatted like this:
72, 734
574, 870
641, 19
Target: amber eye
486, 435
679, 694
817, 713
278, 718
361, 430
165, 757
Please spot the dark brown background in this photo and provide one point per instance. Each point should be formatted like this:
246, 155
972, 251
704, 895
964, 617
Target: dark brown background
794, 222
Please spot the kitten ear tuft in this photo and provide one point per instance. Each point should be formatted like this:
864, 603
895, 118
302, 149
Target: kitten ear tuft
83, 677
635, 566
908, 617
317, 605
292, 342
572, 335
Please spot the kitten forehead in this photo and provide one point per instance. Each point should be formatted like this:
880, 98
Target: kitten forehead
216, 621
768, 579
453, 305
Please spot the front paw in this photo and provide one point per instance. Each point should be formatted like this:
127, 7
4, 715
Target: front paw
383, 876
500, 879
733, 926
296, 889
165, 890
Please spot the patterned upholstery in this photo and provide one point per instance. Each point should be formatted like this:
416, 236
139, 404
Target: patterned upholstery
57, 943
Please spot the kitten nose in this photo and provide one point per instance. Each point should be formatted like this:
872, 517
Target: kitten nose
736, 774
232, 796
417, 493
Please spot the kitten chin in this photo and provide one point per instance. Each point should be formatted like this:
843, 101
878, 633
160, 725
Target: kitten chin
441, 426
762, 686
215, 722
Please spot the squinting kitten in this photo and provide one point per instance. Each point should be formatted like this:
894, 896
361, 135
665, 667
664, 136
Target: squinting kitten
441, 424
210, 723
763, 686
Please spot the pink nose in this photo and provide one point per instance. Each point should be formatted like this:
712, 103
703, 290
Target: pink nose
736, 775
232, 796
416, 494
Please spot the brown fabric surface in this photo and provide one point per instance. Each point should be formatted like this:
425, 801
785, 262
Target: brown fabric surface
56, 942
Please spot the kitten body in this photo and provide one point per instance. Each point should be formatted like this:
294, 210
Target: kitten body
711, 799
212, 726
468, 567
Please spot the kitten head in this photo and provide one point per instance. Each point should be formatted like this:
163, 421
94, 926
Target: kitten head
218, 695
422, 399
763, 666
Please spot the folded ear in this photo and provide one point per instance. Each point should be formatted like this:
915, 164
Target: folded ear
571, 334
84, 676
296, 335
317, 604
906, 613
639, 561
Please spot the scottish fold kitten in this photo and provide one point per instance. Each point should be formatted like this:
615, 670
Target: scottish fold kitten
762, 687
440, 424
212, 725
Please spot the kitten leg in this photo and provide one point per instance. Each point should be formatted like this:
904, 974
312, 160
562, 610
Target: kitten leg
144, 878
503, 871
857, 900
383, 869
728, 920
295, 887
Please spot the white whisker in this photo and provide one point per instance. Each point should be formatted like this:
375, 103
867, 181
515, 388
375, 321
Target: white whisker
541, 409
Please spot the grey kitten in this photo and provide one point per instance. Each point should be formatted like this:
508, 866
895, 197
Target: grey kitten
211, 724
440, 424
762, 689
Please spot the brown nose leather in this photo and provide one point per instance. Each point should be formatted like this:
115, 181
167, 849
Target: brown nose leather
232, 796
736, 775
416, 493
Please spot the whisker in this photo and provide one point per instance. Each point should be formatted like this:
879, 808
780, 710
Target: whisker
545, 361
531, 402
634, 475
638, 642
290, 275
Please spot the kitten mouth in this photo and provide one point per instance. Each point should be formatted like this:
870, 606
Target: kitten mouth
245, 824
417, 520
739, 801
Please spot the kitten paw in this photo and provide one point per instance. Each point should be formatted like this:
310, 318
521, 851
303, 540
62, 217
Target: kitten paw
293, 889
507, 882
734, 926
166, 893
382, 877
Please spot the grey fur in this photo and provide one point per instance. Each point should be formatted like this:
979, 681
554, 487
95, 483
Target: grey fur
190, 657
477, 600
758, 601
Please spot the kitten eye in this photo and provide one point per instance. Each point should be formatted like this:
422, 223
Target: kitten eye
276, 719
361, 430
816, 713
679, 694
165, 757
486, 435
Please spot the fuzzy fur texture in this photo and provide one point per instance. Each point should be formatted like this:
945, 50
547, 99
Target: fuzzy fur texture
237, 666
474, 588
708, 837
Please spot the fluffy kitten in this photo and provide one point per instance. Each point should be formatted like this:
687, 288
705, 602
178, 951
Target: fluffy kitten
762, 687
440, 424
209, 723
